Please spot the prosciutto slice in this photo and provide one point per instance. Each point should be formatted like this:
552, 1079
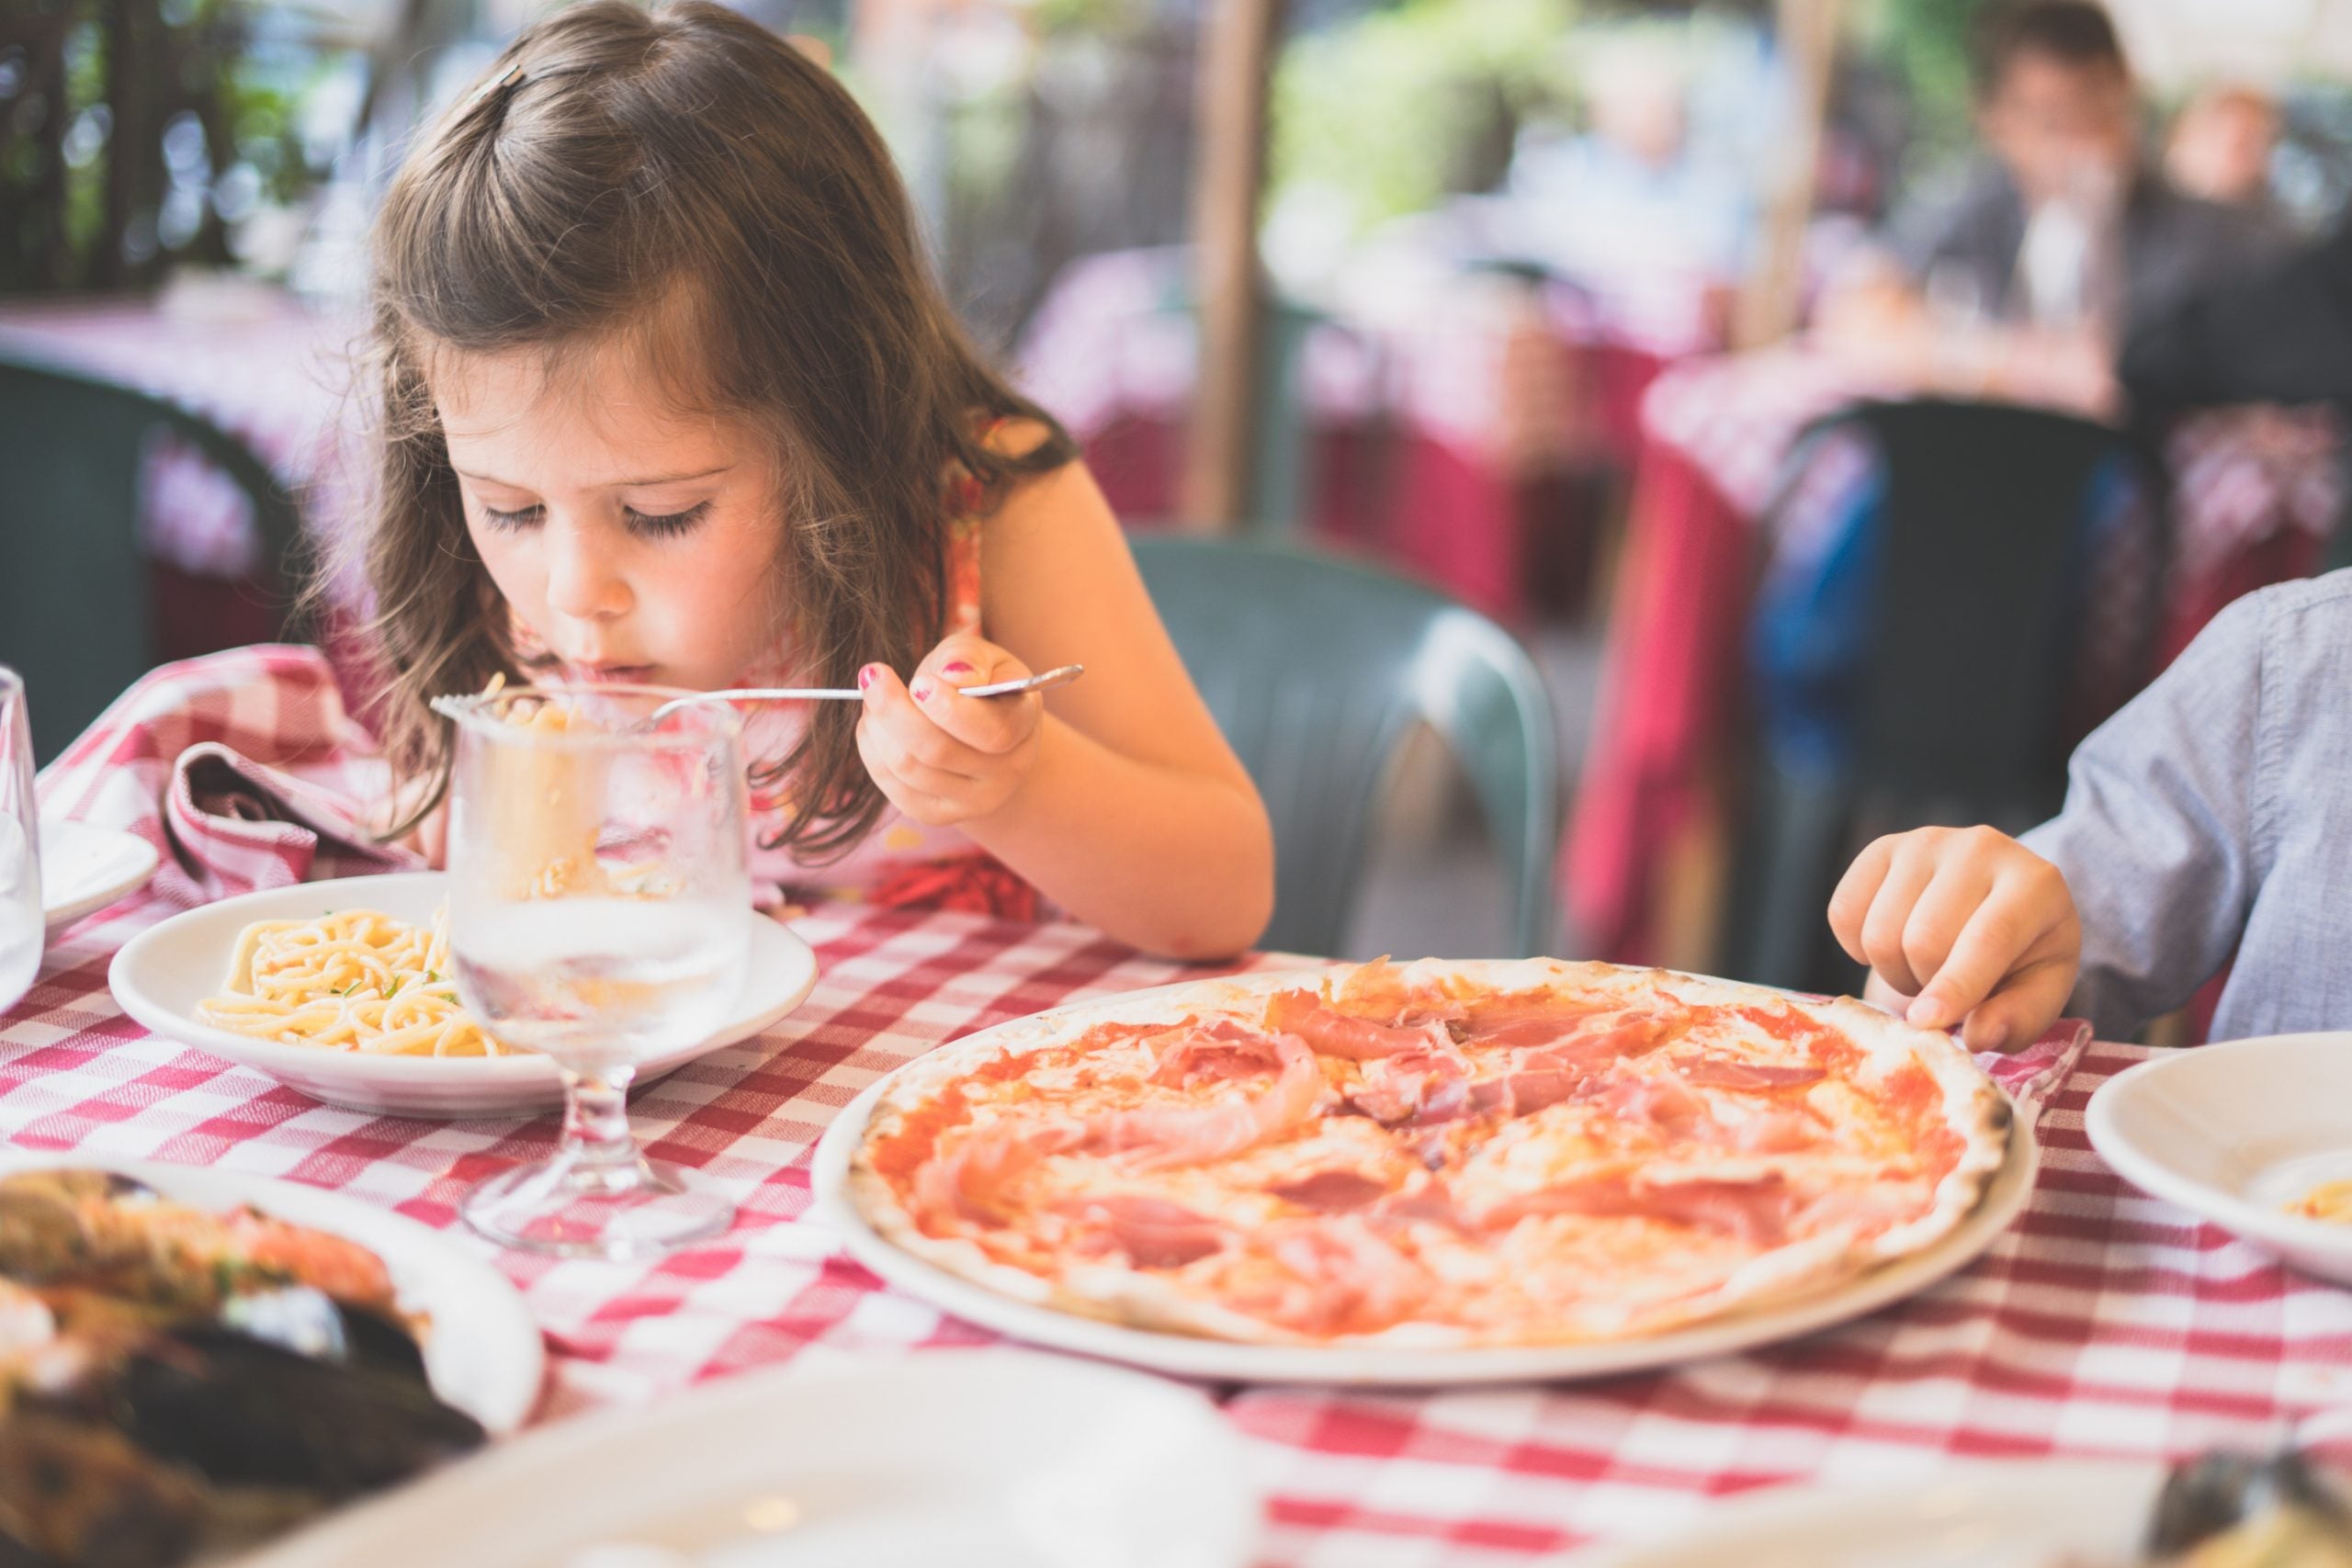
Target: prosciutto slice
1207, 1053
1523, 1094
1414, 1088
1345, 1278
1331, 1192
1154, 1232
971, 1170
1156, 1136
1335, 1033
1758, 1077
1756, 1212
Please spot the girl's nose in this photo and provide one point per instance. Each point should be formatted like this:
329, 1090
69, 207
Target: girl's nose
583, 581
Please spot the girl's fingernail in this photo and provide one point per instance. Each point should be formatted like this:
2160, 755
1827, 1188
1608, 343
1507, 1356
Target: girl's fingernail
920, 693
958, 668
867, 676
1926, 1013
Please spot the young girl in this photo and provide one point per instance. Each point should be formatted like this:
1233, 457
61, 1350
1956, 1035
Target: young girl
2203, 828
671, 398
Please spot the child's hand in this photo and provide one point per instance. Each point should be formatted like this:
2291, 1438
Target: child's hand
1962, 924
941, 758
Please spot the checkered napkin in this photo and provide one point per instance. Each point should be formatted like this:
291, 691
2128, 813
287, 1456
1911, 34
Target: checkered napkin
242, 768
2031, 1076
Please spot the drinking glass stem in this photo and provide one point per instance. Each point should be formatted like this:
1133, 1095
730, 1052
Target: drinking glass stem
596, 1129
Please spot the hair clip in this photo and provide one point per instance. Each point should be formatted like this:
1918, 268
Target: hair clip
510, 77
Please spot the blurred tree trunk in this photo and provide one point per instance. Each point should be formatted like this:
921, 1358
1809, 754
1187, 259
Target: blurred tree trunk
1220, 449
1770, 303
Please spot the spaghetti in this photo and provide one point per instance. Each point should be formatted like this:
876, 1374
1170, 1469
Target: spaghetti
357, 980
2330, 1201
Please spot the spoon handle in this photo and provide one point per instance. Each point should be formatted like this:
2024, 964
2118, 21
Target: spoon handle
1061, 676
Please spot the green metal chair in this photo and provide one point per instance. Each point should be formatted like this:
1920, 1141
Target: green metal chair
76, 614
1316, 669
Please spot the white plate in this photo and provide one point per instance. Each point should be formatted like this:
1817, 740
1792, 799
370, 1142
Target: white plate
2006, 1194
979, 1460
1978, 1515
482, 1349
160, 975
2233, 1132
85, 868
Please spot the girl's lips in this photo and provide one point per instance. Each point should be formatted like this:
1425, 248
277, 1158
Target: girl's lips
609, 675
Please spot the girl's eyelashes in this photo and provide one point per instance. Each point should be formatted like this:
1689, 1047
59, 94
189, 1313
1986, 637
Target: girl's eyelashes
522, 517
664, 523
651, 525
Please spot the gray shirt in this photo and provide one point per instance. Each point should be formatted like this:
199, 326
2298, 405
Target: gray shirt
2214, 815
2172, 246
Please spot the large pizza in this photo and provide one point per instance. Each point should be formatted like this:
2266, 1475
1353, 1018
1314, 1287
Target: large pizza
1431, 1155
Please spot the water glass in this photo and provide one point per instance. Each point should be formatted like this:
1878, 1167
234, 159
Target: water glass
600, 912
20, 917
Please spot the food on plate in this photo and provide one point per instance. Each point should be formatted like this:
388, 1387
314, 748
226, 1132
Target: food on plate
177, 1382
542, 801
2227, 1510
2330, 1201
1431, 1156
355, 980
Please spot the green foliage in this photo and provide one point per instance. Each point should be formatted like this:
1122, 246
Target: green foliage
192, 57
1385, 108
1927, 43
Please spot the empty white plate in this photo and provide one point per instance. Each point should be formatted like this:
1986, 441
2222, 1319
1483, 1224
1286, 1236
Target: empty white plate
85, 868
482, 1349
993, 1459
1988, 1515
2235, 1131
162, 973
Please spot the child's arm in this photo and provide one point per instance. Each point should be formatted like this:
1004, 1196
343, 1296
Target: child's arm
1116, 796
2149, 872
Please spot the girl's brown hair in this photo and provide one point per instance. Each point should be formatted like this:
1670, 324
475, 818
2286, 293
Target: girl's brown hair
686, 177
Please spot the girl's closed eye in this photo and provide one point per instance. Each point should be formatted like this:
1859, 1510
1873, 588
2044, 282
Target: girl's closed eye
520, 517
661, 524
653, 525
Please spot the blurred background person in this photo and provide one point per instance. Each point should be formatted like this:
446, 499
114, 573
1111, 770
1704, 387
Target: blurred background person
2058, 237
2220, 147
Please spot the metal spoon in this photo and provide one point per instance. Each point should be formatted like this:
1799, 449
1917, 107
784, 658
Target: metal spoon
1061, 676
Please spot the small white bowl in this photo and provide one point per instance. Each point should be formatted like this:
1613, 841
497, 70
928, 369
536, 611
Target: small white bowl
162, 973
2235, 1131
85, 868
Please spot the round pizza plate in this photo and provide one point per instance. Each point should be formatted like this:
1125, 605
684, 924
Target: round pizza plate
1186, 1356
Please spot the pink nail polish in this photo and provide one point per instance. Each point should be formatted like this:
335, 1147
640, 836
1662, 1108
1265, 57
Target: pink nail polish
920, 693
958, 668
865, 677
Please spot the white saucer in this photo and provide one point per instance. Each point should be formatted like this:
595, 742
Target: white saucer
2235, 1131
987, 1459
2036, 1515
162, 973
85, 868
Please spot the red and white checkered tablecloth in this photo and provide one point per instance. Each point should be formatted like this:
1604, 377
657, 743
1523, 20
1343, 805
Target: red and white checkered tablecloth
2105, 1324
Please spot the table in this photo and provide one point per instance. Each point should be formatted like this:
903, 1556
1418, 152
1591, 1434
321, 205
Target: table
2256, 493
263, 365
2104, 1325
1441, 433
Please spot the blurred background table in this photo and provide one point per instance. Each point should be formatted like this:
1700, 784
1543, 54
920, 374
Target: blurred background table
2256, 493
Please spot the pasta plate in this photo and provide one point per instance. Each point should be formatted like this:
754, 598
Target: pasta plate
162, 974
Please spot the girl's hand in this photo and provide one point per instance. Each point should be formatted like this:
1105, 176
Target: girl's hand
942, 758
1962, 924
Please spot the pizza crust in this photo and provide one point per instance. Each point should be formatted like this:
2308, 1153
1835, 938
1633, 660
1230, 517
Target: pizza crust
1972, 1106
